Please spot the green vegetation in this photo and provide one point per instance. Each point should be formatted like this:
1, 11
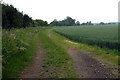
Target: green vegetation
19, 46
39, 22
12, 18
103, 54
103, 36
58, 59
66, 22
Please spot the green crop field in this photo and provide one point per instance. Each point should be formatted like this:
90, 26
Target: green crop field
103, 36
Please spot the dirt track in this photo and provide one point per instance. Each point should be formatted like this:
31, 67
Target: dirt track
35, 68
86, 66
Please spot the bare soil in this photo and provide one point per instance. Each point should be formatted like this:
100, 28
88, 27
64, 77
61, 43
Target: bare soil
87, 66
34, 69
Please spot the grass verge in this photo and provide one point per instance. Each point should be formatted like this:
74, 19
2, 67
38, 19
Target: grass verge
19, 47
58, 64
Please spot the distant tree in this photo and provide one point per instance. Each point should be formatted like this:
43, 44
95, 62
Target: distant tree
77, 23
109, 23
39, 22
61, 23
83, 24
26, 21
54, 23
46, 23
102, 23
87, 23
69, 21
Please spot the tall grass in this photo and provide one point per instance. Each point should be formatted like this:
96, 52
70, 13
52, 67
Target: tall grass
19, 46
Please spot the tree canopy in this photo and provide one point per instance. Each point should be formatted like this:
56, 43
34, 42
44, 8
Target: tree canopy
40, 22
68, 21
12, 18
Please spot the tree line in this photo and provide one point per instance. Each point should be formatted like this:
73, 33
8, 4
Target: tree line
12, 18
68, 21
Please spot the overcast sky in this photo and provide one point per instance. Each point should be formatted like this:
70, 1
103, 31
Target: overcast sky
81, 10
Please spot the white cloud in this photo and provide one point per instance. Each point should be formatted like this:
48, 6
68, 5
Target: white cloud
82, 10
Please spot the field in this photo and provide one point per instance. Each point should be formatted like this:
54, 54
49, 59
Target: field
60, 49
20, 46
103, 36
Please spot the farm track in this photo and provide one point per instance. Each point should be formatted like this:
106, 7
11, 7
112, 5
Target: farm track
34, 69
86, 66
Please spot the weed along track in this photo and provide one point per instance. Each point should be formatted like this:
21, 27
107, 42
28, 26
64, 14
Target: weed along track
86, 66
